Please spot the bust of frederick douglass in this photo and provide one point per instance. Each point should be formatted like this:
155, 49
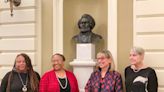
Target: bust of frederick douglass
86, 23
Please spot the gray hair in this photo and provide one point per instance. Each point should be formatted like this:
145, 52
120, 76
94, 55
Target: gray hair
138, 50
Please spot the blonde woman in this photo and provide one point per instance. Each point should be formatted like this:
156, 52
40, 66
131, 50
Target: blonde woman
139, 77
105, 78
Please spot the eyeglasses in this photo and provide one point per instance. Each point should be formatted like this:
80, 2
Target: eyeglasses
58, 61
101, 58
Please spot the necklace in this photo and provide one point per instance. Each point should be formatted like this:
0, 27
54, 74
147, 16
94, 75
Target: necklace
24, 88
136, 70
66, 82
133, 67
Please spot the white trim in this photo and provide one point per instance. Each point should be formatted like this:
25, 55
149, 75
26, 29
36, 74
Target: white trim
39, 34
112, 29
134, 22
58, 26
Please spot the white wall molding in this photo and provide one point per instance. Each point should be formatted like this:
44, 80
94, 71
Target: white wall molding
112, 29
20, 29
39, 35
58, 26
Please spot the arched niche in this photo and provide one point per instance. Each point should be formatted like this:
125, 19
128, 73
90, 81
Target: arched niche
67, 12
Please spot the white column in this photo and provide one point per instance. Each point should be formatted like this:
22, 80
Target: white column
57, 26
112, 29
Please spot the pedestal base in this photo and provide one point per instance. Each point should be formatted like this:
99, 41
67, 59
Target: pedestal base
84, 63
82, 71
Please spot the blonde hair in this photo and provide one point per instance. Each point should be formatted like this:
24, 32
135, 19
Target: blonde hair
108, 54
138, 50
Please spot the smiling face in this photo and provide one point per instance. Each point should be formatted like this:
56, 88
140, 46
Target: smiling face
136, 58
20, 64
103, 61
57, 62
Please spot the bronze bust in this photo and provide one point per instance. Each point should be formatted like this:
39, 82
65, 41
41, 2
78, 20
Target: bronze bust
86, 24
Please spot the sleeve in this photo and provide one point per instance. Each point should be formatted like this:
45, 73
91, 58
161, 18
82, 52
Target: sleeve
152, 82
43, 85
4, 82
119, 85
76, 85
88, 87
72, 81
125, 75
125, 71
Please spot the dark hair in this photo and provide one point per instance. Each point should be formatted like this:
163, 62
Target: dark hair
90, 18
34, 81
62, 56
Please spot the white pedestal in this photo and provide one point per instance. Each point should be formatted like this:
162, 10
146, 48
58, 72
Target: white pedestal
84, 63
85, 51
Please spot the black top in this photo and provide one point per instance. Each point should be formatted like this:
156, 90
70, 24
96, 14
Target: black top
16, 84
63, 82
144, 80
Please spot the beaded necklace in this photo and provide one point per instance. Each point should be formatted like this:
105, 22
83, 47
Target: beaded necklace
66, 83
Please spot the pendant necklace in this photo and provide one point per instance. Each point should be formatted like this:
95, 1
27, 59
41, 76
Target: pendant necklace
24, 88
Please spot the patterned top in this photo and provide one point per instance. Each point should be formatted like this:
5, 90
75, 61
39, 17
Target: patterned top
112, 82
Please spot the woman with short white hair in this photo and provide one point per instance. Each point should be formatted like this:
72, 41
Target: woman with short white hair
138, 76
